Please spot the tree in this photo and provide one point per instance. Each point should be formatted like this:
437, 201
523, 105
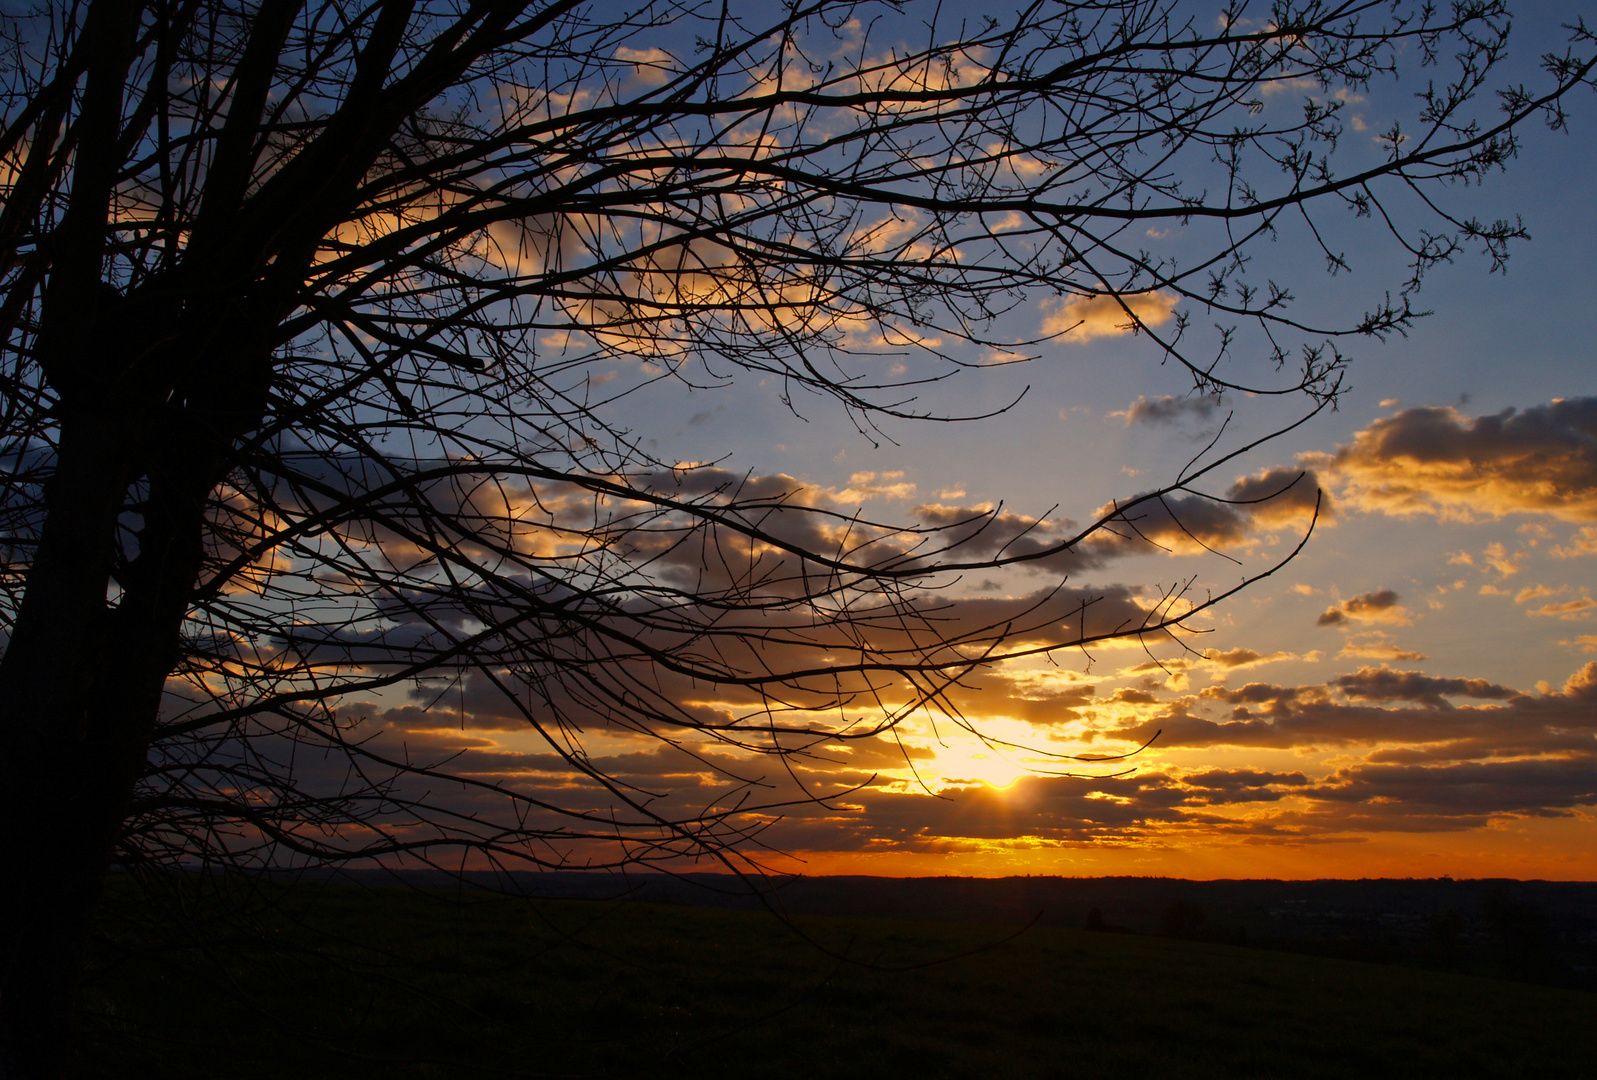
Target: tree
287, 419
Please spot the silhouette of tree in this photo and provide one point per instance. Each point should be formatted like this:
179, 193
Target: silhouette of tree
301, 310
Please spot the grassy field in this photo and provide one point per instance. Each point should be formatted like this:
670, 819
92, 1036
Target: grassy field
343, 981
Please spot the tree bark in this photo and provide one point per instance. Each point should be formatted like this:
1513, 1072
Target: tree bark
56, 830
82, 677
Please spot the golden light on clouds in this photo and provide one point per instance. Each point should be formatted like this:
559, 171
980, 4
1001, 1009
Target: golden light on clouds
963, 763
1438, 461
1271, 753
651, 67
1083, 318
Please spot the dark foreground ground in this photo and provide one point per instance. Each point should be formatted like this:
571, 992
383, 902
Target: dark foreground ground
248, 979
1529, 931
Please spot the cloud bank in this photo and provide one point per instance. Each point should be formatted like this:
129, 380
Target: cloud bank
1440, 462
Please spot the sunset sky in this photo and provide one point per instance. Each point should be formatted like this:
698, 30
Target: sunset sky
1414, 695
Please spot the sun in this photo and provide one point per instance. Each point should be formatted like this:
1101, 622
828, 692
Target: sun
957, 762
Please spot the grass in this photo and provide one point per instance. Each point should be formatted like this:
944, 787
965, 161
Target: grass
343, 981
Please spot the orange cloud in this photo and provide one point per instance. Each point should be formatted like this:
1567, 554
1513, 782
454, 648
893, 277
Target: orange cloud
1438, 461
1082, 318
1371, 651
1569, 609
1582, 543
1232, 659
650, 67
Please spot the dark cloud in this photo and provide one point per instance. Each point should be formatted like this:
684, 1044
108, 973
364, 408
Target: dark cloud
1260, 693
693, 624
1183, 522
1167, 409
599, 678
1439, 461
1274, 498
1384, 684
1243, 785
1280, 496
1378, 606
1294, 717
1464, 794
1232, 658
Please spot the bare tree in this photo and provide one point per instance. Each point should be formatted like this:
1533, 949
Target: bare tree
301, 307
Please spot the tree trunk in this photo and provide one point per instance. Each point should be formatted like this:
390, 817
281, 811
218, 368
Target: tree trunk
151, 388
80, 690
55, 827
